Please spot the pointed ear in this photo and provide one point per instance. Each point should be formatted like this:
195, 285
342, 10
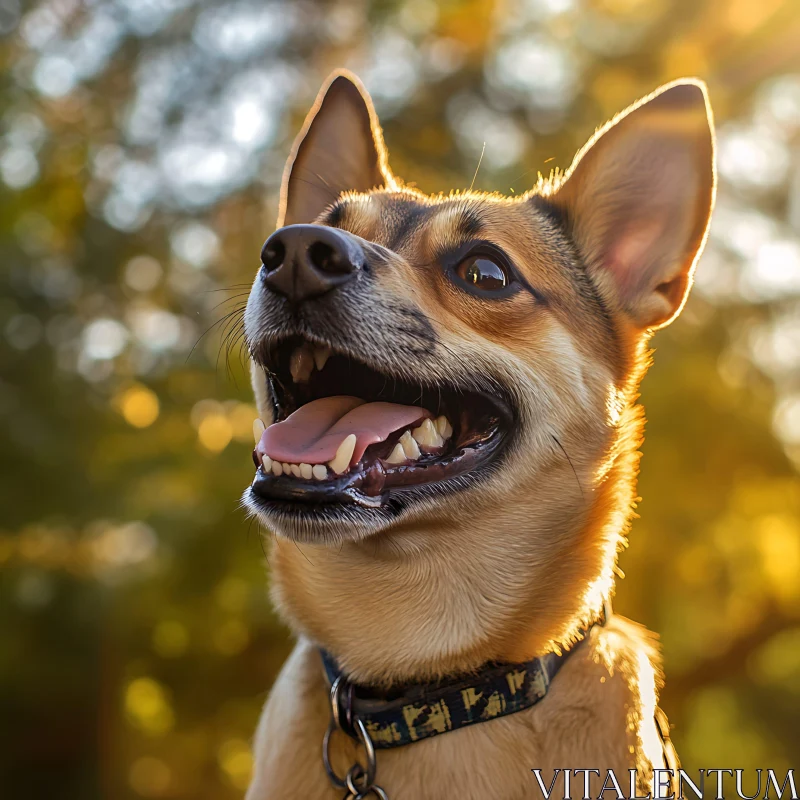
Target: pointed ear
339, 149
638, 199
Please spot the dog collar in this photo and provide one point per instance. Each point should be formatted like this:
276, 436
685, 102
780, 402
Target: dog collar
419, 711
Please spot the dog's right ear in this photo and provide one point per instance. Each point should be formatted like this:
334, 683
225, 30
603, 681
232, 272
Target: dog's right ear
339, 149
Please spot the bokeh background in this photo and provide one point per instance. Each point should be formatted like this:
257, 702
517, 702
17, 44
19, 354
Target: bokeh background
141, 144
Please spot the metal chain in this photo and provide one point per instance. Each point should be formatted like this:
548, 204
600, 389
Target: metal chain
359, 781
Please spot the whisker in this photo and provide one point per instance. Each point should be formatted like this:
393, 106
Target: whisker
480, 161
566, 455
211, 328
324, 188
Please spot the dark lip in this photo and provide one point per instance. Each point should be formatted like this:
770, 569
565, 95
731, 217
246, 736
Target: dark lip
312, 523
376, 489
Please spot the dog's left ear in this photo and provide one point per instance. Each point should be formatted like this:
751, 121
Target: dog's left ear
340, 149
638, 198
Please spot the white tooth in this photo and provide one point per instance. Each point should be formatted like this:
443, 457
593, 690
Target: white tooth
301, 363
397, 456
319, 471
277, 469
287, 468
258, 428
410, 447
420, 437
341, 461
430, 429
295, 470
306, 471
321, 355
443, 427
266, 462
427, 436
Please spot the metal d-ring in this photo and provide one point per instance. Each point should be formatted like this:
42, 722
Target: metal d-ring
369, 751
326, 759
357, 772
368, 771
334, 695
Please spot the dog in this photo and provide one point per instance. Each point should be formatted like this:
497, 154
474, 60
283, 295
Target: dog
447, 455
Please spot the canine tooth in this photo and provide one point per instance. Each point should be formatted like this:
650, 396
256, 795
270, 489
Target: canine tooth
258, 428
319, 471
306, 471
443, 427
397, 456
430, 429
341, 461
277, 468
410, 447
266, 462
287, 468
321, 355
301, 363
295, 468
427, 436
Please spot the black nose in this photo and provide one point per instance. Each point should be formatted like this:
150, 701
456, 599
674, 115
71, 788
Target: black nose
304, 261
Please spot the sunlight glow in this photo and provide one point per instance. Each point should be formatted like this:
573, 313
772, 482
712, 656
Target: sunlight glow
786, 419
104, 338
539, 69
236, 759
195, 243
776, 269
476, 124
215, 432
752, 157
147, 706
139, 406
240, 30
648, 735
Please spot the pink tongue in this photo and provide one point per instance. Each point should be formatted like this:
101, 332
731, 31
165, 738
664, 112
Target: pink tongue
312, 434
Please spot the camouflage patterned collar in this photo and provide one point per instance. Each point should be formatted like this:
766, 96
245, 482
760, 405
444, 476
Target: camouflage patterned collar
417, 711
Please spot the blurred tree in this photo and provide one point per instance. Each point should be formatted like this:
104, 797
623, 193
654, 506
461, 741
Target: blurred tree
142, 144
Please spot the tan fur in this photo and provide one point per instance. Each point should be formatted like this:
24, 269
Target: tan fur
520, 563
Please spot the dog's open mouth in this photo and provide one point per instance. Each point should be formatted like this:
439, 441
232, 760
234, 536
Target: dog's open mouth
348, 433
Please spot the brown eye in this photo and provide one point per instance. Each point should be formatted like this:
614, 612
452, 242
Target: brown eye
482, 273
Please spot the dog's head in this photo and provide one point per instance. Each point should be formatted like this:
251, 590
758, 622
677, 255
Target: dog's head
469, 361
501, 334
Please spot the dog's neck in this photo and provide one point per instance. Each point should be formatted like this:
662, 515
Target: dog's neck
394, 616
